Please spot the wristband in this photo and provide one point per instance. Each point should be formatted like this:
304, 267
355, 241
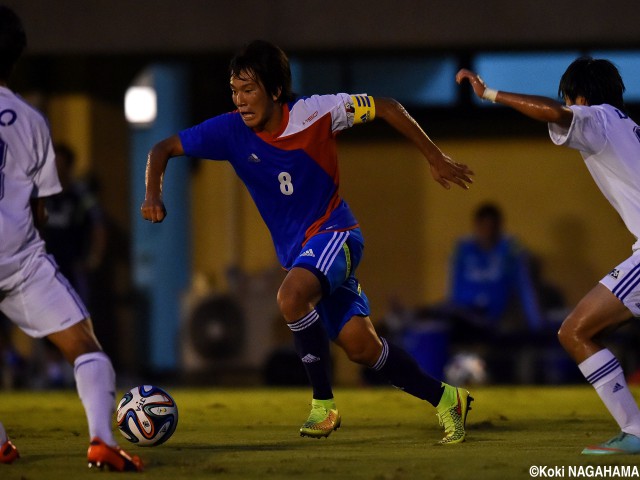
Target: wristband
490, 94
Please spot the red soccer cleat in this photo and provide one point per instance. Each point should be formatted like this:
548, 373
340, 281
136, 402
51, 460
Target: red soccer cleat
8, 453
100, 455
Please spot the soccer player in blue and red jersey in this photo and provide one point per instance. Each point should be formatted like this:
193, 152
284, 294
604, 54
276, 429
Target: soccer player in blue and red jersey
284, 150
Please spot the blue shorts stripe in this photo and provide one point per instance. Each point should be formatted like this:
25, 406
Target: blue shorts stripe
621, 290
324, 251
630, 289
328, 253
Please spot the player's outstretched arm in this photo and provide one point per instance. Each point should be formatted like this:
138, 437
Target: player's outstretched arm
443, 169
539, 108
153, 207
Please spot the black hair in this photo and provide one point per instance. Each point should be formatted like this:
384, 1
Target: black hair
13, 40
267, 64
489, 211
597, 80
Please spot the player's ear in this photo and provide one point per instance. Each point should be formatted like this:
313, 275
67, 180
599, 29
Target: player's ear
276, 96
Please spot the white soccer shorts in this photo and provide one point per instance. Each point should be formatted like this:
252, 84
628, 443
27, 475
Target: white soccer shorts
39, 299
624, 283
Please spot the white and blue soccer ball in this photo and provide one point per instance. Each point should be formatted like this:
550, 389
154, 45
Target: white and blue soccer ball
147, 416
466, 369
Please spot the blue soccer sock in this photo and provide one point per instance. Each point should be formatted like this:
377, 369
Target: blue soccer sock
312, 345
403, 372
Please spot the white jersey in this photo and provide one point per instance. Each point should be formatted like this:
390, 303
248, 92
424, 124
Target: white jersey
27, 170
609, 142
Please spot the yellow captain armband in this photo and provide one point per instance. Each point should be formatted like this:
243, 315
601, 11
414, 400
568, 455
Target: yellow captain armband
364, 108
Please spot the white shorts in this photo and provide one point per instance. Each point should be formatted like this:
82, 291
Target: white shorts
624, 283
39, 299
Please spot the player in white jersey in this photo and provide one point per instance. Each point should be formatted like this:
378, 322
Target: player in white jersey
33, 293
593, 121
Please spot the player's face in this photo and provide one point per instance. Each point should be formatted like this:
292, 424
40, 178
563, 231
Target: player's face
258, 109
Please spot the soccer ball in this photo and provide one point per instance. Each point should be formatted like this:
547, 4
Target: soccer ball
466, 369
147, 416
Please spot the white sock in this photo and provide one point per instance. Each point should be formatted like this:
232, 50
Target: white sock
96, 383
3, 435
603, 371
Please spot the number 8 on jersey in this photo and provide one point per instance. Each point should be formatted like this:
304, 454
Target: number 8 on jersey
286, 187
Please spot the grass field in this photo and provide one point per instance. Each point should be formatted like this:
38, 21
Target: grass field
386, 435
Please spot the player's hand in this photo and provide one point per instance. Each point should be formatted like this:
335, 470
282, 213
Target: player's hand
153, 210
474, 79
444, 170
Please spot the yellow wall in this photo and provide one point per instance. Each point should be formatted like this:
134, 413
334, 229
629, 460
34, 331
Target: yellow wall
97, 133
410, 222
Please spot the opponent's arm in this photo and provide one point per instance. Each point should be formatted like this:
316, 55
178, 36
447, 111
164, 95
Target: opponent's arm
443, 169
153, 207
39, 211
539, 108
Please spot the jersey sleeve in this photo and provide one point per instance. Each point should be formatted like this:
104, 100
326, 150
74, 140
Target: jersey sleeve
210, 139
346, 110
587, 132
45, 173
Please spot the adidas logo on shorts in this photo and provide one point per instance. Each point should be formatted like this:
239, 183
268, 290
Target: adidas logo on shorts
308, 253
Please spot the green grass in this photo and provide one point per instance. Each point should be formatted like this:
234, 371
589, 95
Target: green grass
386, 435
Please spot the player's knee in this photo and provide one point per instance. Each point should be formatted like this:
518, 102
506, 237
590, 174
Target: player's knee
570, 334
362, 354
292, 303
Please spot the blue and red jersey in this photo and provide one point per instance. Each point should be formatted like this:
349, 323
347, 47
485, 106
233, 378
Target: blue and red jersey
292, 175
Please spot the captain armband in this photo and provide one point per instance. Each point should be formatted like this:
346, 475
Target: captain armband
364, 108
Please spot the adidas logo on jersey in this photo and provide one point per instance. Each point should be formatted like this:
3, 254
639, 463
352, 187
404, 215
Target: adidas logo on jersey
614, 273
253, 158
617, 387
308, 253
308, 358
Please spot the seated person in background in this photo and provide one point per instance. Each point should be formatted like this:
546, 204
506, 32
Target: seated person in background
487, 269
75, 233
492, 309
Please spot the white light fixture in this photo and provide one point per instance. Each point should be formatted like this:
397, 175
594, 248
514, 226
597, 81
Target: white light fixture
141, 100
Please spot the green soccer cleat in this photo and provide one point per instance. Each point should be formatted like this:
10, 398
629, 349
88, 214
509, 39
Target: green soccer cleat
452, 414
323, 419
621, 444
